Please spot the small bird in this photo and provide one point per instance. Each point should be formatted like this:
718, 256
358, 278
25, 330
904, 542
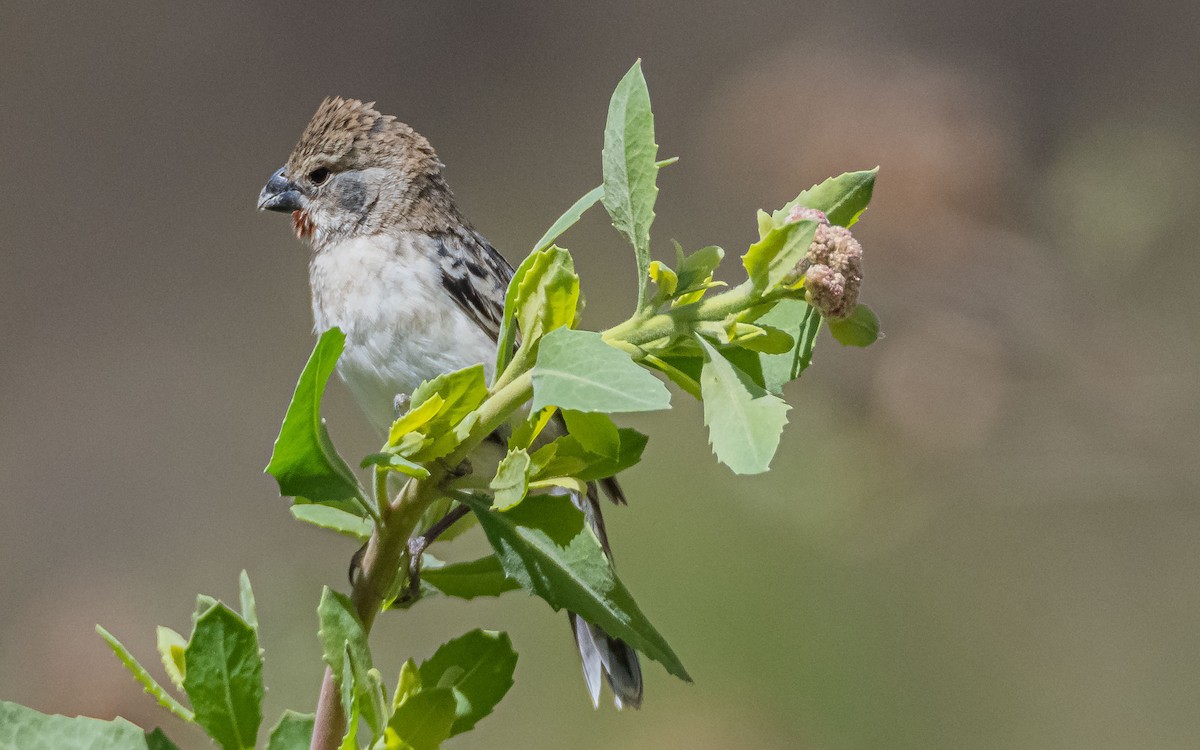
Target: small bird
416, 290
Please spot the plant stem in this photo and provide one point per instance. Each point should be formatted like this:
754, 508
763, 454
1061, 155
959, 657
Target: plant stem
396, 522
640, 330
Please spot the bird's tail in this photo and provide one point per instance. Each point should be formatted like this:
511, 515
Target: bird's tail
599, 651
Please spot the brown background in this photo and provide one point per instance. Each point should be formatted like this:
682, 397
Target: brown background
980, 533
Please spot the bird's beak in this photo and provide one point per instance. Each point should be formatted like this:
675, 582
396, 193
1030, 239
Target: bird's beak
279, 194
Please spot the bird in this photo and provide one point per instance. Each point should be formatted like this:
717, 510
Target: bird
417, 291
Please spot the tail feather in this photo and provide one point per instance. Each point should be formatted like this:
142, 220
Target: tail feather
600, 652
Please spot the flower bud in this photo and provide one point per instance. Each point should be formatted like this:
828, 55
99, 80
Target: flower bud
832, 268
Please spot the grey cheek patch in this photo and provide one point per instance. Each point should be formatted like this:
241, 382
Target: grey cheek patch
351, 196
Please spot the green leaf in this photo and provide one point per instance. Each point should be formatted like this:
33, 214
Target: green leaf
425, 719
630, 170
595, 431
224, 677
341, 628
478, 668
801, 321
395, 462
507, 336
567, 457
293, 731
467, 580
577, 370
773, 258
171, 647
696, 271
246, 596
861, 328
548, 296
511, 481
157, 740
23, 728
204, 602
334, 519
148, 683
568, 219
842, 198
547, 546
744, 421
438, 411
304, 461
683, 371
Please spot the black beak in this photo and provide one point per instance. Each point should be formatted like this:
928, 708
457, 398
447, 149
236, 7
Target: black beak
279, 194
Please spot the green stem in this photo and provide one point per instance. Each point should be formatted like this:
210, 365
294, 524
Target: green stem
680, 320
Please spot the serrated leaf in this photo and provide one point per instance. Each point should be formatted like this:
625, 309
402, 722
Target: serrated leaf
569, 218
511, 481
860, 328
148, 683
578, 370
246, 597
744, 421
773, 257
424, 720
525, 433
842, 198
204, 602
802, 322
546, 545
171, 646
507, 335
630, 169
224, 678
334, 519
23, 728
293, 731
304, 461
478, 668
467, 580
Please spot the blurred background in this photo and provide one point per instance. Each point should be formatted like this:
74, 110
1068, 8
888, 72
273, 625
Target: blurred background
979, 533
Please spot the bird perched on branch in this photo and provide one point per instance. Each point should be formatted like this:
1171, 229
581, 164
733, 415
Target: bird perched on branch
416, 290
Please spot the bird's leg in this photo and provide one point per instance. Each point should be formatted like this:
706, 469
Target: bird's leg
416, 548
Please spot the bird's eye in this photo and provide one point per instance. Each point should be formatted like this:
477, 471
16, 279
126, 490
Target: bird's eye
318, 176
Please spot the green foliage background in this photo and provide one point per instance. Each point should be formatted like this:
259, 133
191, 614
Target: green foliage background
991, 545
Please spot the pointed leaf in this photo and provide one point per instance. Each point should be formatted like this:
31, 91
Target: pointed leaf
568, 219
547, 546
148, 683
842, 198
224, 678
577, 370
246, 595
630, 169
744, 421
171, 647
304, 461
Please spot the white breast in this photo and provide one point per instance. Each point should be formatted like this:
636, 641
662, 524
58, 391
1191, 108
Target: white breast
401, 327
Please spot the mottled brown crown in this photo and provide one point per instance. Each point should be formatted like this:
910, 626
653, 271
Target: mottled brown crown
351, 134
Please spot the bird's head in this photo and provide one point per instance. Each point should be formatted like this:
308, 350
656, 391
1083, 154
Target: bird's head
357, 172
